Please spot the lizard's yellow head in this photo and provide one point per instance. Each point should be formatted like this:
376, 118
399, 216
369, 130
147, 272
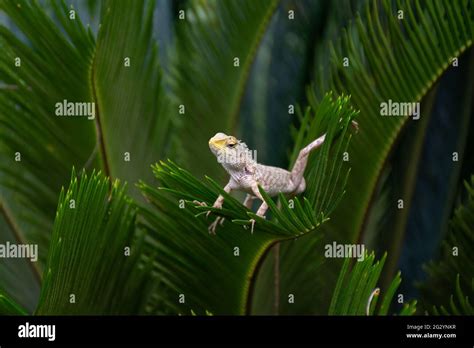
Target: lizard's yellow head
230, 151
222, 142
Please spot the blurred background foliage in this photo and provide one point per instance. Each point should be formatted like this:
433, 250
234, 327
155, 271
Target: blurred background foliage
283, 63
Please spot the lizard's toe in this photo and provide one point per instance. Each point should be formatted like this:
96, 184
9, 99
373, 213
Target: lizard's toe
217, 205
202, 204
252, 224
213, 226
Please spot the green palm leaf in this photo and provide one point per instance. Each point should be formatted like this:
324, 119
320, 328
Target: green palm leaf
408, 76
65, 62
205, 269
458, 304
174, 263
356, 292
19, 278
48, 145
9, 307
95, 250
204, 78
134, 121
392, 59
454, 269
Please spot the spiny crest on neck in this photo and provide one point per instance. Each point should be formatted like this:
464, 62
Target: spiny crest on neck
230, 152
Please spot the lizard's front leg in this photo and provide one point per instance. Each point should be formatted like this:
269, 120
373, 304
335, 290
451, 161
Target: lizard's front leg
220, 199
263, 207
249, 201
218, 204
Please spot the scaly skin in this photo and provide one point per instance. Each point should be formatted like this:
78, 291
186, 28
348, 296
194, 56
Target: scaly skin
246, 174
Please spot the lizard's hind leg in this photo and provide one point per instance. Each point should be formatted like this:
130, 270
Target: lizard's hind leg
260, 212
248, 202
302, 160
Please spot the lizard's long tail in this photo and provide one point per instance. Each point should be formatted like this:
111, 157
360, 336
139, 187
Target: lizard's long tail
300, 164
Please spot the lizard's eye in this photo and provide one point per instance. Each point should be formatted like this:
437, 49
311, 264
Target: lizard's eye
231, 145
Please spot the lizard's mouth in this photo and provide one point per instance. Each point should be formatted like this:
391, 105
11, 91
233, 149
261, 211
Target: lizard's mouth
216, 144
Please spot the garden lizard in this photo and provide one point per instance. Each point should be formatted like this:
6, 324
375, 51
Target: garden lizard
246, 174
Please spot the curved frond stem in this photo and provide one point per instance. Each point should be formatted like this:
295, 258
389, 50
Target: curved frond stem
19, 238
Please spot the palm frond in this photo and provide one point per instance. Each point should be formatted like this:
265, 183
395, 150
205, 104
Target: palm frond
326, 178
10, 307
356, 292
134, 121
190, 260
94, 251
107, 245
204, 78
293, 298
442, 30
65, 62
53, 67
388, 59
454, 269
458, 304
20, 277
207, 272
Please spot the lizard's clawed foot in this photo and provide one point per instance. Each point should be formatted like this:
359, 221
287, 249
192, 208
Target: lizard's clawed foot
212, 227
252, 224
217, 205
202, 204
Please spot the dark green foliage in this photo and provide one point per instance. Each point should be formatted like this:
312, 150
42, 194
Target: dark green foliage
452, 275
175, 266
352, 294
392, 59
